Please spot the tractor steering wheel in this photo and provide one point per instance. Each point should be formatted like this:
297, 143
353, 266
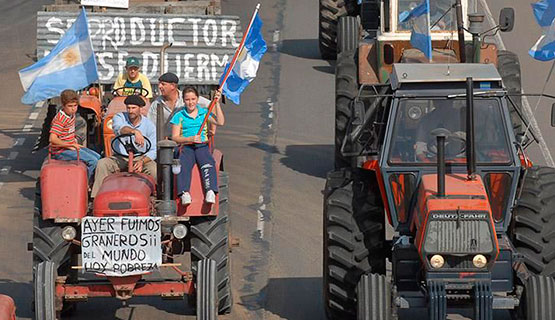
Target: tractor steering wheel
129, 91
455, 144
129, 145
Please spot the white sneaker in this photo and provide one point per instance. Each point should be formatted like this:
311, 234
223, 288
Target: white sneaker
210, 197
186, 198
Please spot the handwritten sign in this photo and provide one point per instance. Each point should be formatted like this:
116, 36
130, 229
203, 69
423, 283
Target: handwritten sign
121, 246
202, 45
106, 3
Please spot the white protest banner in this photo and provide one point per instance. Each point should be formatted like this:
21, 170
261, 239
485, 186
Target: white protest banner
202, 44
106, 3
121, 246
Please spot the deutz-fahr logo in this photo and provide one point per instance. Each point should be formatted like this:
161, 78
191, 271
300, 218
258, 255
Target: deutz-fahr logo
459, 215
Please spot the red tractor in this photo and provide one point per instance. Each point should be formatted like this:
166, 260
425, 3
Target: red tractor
437, 151
67, 226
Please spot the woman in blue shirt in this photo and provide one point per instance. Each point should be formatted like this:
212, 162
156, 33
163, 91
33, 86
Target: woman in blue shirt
185, 126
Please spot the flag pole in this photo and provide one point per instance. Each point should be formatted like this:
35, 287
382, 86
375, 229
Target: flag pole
231, 65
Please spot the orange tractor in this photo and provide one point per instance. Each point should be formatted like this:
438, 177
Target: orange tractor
73, 236
437, 151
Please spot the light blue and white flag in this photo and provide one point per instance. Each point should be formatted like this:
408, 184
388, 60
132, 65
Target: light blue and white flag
245, 67
544, 12
421, 37
70, 65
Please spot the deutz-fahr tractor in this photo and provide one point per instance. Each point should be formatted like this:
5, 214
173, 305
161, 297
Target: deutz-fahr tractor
116, 245
436, 150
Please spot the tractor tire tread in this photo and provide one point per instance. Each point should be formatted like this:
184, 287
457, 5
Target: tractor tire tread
210, 240
352, 247
534, 221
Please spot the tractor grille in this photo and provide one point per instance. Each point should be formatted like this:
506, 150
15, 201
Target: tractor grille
453, 262
451, 232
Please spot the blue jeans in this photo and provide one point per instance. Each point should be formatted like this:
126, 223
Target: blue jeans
199, 154
88, 156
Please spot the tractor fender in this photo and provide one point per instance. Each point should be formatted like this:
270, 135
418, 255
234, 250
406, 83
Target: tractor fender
91, 103
373, 165
7, 308
198, 208
64, 190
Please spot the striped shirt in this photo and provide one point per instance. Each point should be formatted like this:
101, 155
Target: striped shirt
64, 127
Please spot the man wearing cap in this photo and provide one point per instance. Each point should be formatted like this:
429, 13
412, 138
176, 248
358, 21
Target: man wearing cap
130, 122
133, 78
171, 100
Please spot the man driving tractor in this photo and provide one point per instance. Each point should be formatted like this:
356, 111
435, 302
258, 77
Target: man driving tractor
132, 78
138, 128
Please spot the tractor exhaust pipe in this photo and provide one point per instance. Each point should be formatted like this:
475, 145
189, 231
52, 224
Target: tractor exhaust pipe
441, 165
460, 30
470, 145
165, 206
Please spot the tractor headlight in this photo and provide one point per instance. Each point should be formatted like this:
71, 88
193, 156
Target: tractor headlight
69, 233
179, 231
479, 261
437, 261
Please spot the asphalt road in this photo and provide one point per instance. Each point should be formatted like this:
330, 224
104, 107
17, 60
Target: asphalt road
277, 148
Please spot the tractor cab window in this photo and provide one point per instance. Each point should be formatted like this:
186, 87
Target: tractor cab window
438, 8
420, 121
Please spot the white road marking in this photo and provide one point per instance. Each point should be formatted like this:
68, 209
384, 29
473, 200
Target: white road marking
5, 170
271, 115
260, 224
275, 37
33, 115
260, 216
1, 185
39, 104
27, 127
271, 105
13, 155
275, 40
19, 142
525, 103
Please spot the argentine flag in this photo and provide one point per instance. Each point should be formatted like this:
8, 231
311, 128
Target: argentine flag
246, 65
544, 12
421, 37
70, 65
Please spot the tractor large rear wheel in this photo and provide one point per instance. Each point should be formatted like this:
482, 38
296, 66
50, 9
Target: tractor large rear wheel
210, 240
533, 225
330, 12
48, 244
508, 65
354, 238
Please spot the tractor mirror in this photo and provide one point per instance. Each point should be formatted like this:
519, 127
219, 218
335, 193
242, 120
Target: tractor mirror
553, 115
506, 19
521, 139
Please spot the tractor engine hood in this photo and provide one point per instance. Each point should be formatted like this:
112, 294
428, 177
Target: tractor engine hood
458, 226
